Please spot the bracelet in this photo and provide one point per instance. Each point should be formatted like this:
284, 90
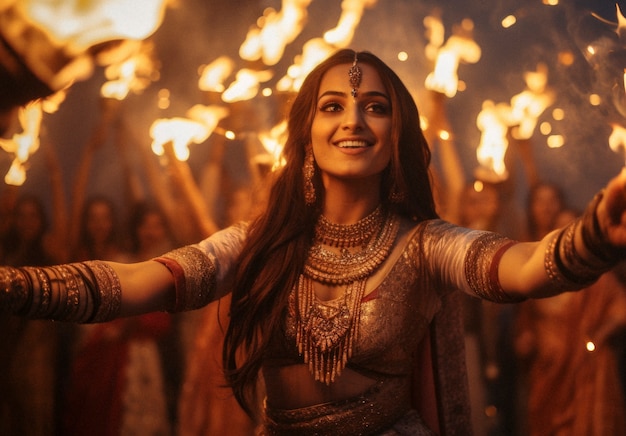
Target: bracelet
481, 267
566, 266
78, 292
595, 242
14, 290
195, 277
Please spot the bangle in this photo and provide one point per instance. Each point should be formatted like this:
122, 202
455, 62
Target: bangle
599, 247
568, 267
78, 292
194, 277
481, 267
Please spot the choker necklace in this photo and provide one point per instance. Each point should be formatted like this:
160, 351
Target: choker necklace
351, 235
327, 331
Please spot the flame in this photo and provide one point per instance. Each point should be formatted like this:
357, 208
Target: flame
621, 23
492, 122
460, 47
617, 140
212, 76
51, 103
314, 51
80, 24
435, 33
273, 142
130, 75
351, 13
527, 106
246, 85
181, 131
23, 145
277, 29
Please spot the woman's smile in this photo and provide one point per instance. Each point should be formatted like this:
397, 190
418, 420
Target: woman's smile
351, 135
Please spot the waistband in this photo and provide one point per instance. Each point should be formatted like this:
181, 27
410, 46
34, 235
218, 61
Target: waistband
372, 412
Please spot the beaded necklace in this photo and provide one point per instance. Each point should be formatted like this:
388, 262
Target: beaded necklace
327, 331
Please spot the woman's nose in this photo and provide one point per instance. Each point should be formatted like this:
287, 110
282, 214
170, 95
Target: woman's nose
352, 117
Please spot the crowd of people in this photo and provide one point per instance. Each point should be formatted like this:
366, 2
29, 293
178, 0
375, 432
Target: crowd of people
355, 154
124, 376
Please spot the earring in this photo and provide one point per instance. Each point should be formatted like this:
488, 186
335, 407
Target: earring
395, 195
308, 171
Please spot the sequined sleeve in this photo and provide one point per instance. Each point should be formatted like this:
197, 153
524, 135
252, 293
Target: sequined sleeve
201, 270
465, 259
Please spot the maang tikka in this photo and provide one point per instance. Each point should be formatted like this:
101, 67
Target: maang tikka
355, 74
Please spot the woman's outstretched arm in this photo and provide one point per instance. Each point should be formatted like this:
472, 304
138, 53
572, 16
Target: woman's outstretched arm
147, 287
573, 257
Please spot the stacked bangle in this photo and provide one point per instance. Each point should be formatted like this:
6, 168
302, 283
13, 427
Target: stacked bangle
77, 292
567, 266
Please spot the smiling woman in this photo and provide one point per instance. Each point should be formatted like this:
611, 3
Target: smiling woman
342, 290
351, 135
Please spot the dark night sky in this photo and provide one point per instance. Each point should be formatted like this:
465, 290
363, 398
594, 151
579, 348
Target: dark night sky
198, 31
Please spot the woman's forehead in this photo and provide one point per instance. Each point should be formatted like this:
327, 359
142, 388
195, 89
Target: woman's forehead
337, 78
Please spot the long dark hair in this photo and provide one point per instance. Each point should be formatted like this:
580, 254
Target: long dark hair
278, 240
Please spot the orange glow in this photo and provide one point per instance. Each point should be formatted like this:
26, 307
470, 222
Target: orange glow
23, 144
528, 105
212, 76
276, 29
314, 51
273, 142
130, 75
621, 20
181, 132
351, 13
460, 47
509, 21
78, 25
435, 33
617, 140
492, 122
246, 85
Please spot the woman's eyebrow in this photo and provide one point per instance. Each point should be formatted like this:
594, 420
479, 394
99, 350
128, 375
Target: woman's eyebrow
343, 94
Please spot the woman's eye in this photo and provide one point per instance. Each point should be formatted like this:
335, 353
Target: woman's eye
378, 108
331, 107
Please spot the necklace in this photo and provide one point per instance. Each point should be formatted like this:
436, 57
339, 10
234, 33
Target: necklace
332, 268
327, 331
351, 235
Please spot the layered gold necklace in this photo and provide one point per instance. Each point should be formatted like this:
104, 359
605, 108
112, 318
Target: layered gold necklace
327, 331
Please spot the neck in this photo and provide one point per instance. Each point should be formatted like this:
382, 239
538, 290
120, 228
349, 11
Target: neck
347, 203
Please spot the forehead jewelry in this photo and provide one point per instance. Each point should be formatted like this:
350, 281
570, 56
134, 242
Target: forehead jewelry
355, 75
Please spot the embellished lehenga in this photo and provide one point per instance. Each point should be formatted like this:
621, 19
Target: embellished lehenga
406, 372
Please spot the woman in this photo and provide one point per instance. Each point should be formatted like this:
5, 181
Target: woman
567, 347
341, 289
545, 203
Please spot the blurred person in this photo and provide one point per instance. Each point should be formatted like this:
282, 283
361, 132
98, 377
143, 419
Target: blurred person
27, 369
100, 232
545, 202
137, 357
567, 348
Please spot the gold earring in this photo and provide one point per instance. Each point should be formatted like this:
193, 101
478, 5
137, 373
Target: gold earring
308, 171
395, 196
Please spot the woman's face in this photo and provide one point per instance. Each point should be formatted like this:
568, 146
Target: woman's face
545, 207
351, 136
99, 221
151, 232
